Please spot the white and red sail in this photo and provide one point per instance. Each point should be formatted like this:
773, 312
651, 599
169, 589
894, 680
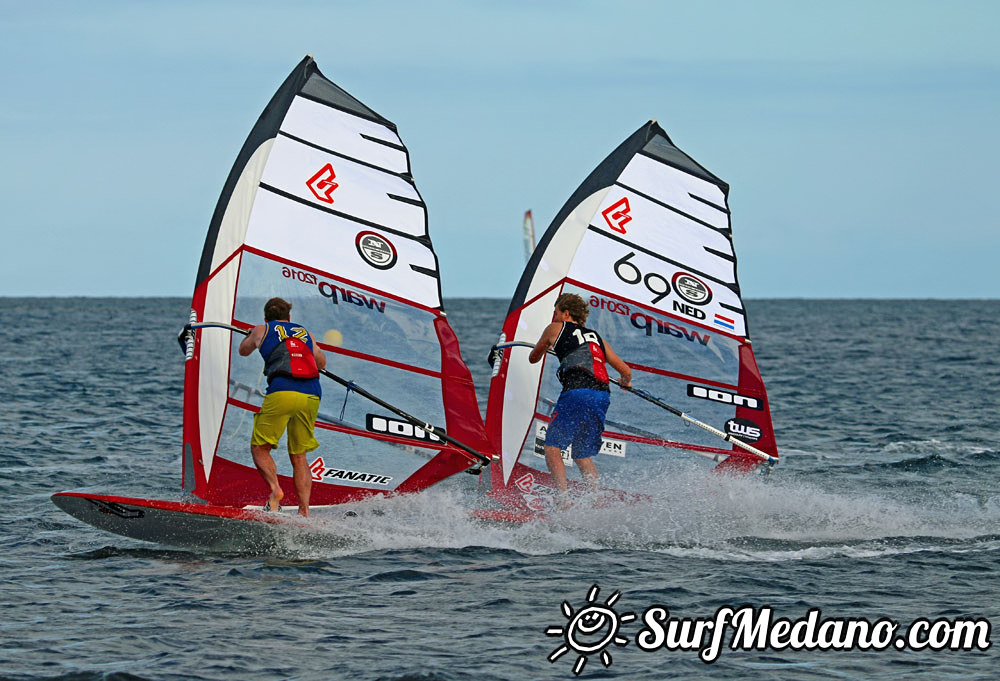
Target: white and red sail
320, 209
647, 241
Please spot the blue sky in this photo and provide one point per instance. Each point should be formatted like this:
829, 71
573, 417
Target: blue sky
859, 138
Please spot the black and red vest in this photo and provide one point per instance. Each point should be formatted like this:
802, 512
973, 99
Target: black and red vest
581, 358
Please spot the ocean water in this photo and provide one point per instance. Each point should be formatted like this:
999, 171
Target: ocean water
885, 506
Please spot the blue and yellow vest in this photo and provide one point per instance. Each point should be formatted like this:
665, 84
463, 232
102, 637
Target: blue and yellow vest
288, 361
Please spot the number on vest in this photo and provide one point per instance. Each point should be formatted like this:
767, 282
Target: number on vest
297, 332
589, 337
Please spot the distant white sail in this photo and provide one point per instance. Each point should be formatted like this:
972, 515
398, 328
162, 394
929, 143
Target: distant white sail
529, 235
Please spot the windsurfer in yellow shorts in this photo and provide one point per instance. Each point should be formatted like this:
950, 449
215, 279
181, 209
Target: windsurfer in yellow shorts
292, 361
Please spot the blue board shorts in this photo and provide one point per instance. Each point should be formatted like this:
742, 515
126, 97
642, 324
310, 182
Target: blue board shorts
579, 421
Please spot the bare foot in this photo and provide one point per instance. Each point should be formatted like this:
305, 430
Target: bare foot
563, 501
304, 511
274, 501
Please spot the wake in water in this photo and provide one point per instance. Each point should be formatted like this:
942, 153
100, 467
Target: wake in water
787, 516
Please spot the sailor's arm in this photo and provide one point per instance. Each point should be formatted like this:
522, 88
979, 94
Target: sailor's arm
318, 354
545, 342
621, 367
253, 341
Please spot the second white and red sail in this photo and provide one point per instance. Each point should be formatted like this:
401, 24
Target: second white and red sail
647, 241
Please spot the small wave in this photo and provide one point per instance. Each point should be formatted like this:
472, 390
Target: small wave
930, 463
106, 552
984, 456
956, 449
757, 550
82, 676
407, 575
901, 456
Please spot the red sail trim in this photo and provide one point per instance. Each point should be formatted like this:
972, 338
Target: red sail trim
463, 420
683, 377
349, 282
495, 405
544, 293
752, 384
234, 484
654, 310
442, 466
243, 405
366, 357
225, 262
380, 360
494, 412
191, 433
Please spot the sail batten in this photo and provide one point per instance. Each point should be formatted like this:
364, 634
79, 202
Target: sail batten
336, 279
321, 209
346, 216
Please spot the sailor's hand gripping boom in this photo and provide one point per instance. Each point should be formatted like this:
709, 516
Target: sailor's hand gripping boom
186, 340
496, 353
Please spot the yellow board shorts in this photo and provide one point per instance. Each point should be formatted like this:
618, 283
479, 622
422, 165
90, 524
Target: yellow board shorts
287, 409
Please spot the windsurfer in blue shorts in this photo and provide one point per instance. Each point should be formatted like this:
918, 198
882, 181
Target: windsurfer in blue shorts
292, 360
578, 419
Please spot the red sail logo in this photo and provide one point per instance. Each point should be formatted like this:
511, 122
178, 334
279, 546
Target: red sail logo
525, 483
322, 185
617, 215
317, 468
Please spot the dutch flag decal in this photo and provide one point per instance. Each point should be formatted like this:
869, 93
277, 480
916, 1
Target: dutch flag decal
725, 322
